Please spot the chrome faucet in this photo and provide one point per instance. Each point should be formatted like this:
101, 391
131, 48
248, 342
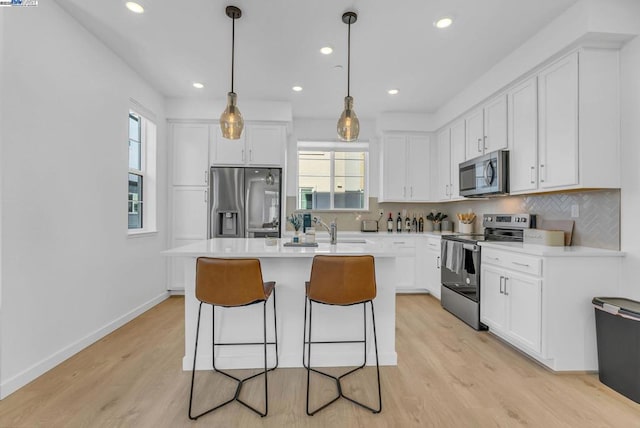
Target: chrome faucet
332, 229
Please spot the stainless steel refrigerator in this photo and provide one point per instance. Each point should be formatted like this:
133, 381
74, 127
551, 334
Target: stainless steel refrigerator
245, 202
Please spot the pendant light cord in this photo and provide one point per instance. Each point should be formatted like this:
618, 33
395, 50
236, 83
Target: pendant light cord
233, 48
349, 58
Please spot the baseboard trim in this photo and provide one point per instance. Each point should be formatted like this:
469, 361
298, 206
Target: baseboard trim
16, 382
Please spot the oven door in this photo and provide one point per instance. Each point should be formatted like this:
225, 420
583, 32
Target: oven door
466, 280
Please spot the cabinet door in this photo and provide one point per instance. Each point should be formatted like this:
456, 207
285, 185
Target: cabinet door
558, 123
229, 152
418, 157
474, 134
523, 137
394, 168
495, 124
492, 309
190, 144
525, 310
433, 272
190, 213
265, 145
444, 165
457, 157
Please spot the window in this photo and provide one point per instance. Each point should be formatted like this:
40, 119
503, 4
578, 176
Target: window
141, 177
332, 176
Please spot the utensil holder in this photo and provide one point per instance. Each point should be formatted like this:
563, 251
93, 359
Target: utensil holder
436, 227
465, 227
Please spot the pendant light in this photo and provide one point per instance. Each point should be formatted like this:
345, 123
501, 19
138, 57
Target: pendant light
348, 124
231, 122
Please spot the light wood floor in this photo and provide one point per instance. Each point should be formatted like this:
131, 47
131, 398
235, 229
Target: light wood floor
448, 375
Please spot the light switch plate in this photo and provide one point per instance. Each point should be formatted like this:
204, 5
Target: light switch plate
575, 211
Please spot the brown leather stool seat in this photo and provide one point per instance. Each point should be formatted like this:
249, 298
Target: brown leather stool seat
233, 283
341, 281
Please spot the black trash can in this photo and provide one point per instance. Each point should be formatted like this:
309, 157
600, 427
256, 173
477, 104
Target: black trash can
618, 336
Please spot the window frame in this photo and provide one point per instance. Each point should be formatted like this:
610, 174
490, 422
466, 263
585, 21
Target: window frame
333, 147
139, 172
148, 170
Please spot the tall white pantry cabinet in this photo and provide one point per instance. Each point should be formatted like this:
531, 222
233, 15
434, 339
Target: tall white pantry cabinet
194, 148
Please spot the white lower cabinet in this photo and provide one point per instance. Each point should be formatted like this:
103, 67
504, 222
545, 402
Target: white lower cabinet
541, 302
511, 306
432, 263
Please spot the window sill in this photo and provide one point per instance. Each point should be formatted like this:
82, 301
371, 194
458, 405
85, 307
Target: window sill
141, 233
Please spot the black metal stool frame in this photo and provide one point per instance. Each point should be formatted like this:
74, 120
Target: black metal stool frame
236, 396
307, 364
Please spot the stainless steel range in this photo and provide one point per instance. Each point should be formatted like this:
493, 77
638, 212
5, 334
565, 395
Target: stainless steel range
460, 258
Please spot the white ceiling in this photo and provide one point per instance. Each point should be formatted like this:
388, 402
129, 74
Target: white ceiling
393, 45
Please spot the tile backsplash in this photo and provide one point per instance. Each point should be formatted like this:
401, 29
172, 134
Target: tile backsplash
598, 223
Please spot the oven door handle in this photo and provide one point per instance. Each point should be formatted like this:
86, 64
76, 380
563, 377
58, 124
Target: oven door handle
471, 247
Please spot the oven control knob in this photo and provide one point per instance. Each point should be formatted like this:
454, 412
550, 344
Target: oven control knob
467, 280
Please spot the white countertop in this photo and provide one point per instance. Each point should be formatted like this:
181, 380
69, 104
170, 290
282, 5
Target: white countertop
546, 251
256, 247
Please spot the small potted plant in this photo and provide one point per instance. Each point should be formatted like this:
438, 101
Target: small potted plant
296, 221
436, 219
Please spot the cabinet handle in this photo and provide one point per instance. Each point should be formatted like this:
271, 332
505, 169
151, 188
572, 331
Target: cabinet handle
505, 286
411, 191
484, 143
242, 155
206, 177
250, 154
531, 174
446, 190
541, 170
521, 264
493, 258
479, 150
206, 194
501, 278
438, 262
404, 191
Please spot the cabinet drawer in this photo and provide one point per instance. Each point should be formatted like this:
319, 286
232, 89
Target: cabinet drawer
514, 261
433, 244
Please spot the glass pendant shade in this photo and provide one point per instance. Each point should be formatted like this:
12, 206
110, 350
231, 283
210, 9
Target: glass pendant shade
348, 124
231, 121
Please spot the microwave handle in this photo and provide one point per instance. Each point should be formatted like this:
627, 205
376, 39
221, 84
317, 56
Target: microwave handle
489, 179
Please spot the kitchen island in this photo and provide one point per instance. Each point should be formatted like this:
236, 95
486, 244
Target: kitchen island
290, 267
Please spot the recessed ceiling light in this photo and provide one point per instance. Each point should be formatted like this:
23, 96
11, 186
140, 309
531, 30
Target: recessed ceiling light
134, 7
443, 22
327, 50
198, 85
393, 91
297, 88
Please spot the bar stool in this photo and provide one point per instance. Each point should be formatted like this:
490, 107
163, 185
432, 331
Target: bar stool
341, 281
233, 283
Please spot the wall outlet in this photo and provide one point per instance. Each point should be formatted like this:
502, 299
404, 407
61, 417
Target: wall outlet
575, 211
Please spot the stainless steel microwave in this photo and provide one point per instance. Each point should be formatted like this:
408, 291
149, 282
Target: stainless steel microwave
485, 175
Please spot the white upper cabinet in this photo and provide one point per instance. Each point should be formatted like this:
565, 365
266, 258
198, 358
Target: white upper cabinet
451, 152
405, 171
486, 128
444, 164
259, 145
558, 121
523, 136
565, 133
190, 154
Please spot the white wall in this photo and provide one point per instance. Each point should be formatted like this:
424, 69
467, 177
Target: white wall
70, 274
630, 173
1, 162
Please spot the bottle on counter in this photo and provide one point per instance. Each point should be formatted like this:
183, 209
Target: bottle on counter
421, 224
390, 224
399, 224
414, 224
407, 223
